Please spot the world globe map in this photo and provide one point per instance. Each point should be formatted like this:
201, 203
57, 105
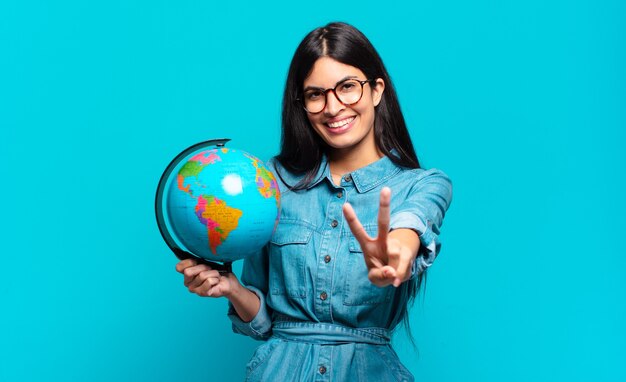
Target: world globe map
219, 204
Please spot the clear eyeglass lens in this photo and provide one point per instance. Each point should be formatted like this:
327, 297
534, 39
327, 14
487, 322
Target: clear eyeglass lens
349, 92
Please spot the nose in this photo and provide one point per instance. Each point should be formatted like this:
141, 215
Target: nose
333, 105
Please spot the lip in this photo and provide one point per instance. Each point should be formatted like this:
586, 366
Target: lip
342, 129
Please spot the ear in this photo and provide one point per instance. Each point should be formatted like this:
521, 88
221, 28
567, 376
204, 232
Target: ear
378, 88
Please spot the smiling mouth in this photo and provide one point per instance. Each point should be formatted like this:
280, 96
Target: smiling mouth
339, 124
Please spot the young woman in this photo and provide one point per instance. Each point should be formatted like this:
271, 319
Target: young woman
330, 287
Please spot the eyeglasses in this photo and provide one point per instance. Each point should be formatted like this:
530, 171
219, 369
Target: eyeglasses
348, 92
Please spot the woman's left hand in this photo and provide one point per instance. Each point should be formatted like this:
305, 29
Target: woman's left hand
389, 256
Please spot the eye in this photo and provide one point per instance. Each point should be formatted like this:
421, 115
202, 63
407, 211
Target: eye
313, 95
348, 86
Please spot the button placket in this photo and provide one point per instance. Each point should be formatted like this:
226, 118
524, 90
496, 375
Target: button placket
331, 236
324, 364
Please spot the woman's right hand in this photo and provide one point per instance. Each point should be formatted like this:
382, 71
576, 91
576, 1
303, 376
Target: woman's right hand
204, 281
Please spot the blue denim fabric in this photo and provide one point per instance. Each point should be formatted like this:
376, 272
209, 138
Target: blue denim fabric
322, 318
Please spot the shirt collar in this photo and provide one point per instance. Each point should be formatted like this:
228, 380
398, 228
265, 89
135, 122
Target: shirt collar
374, 174
291, 179
365, 179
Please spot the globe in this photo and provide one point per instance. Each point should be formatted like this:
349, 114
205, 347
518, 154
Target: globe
217, 203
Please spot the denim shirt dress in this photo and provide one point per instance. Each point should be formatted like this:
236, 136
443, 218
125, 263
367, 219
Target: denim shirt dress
320, 316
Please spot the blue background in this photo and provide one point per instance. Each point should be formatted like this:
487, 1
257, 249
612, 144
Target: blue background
523, 104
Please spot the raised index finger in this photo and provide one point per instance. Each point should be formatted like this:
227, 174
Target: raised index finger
384, 215
355, 225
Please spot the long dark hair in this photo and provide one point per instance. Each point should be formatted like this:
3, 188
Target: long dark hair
302, 148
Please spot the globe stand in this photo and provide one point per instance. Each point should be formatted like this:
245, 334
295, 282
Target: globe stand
224, 268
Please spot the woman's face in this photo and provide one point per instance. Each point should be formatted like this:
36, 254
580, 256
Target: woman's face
346, 129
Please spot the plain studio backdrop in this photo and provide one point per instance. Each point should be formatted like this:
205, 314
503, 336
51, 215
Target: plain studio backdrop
523, 104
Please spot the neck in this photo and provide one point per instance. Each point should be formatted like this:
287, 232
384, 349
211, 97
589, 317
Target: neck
342, 162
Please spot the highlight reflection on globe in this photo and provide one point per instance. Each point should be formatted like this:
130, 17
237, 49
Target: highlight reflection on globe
218, 203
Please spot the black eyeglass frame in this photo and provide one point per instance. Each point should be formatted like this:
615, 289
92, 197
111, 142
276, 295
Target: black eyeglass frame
325, 91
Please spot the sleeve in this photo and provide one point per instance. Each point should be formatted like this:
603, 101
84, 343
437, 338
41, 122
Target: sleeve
423, 211
254, 276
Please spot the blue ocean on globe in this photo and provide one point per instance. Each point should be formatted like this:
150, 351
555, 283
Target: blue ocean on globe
220, 204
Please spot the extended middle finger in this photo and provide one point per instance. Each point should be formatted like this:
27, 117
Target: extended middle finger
384, 215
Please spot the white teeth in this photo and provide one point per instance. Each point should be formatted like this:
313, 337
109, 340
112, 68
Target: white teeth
337, 124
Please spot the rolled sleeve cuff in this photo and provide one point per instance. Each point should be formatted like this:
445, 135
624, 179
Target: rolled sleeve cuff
260, 328
429, 239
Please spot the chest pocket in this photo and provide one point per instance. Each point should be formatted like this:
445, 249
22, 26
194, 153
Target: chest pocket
289, 247
358, 290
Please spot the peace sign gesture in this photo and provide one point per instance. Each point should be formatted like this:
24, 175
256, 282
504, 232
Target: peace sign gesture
390, 255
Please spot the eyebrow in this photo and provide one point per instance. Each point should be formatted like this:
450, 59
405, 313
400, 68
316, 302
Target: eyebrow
336, 83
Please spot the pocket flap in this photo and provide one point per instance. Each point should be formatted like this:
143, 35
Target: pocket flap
291, 234
354, 245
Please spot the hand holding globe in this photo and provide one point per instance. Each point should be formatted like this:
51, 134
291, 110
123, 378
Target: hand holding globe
205, 281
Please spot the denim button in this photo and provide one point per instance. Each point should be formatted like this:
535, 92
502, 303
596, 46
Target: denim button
340, 195
347, 178
334, 223
322, 370
323, 296
327, 259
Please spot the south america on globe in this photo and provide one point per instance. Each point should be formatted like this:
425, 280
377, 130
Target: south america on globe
217, 203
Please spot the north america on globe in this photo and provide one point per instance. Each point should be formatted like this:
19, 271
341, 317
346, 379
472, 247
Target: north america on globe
266, 184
